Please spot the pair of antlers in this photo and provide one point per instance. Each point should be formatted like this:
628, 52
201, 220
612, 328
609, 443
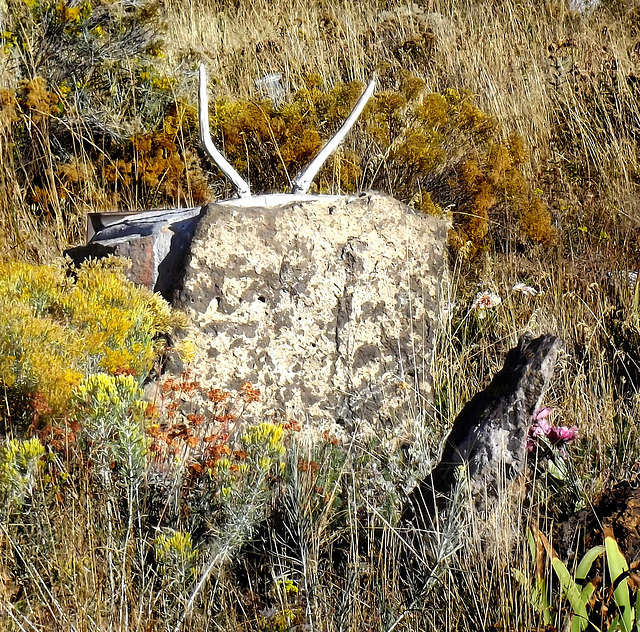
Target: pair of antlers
302, 181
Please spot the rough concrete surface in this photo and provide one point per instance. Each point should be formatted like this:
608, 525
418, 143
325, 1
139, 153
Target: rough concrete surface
328, 307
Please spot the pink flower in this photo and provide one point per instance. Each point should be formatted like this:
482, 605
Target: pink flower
564, 434
542, 413
557, 436
570, 434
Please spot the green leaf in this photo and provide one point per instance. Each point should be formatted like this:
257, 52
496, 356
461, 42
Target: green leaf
587, 592
618, 569
570, 589
539, 596
540, 601
557, 469
587, 561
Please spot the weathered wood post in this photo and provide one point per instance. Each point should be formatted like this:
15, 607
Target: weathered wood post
488, 438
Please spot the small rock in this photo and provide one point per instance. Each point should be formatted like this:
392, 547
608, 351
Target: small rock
156, 242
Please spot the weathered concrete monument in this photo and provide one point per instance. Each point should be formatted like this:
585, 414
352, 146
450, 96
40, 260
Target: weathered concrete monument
326, 304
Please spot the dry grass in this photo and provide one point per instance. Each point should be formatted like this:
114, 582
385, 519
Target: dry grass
349, 567
560, 79
567, 83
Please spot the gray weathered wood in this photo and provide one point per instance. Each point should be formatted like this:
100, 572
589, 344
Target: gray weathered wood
489, 435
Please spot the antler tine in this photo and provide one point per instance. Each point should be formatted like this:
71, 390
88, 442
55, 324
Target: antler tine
239, 184
303, 180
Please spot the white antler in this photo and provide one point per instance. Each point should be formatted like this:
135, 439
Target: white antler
239, 184
303, 180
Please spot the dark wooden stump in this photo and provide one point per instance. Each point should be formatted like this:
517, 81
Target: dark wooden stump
489, 435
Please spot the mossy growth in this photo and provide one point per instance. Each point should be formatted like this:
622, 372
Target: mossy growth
55, 330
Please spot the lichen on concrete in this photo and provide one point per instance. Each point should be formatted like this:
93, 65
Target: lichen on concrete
327, 306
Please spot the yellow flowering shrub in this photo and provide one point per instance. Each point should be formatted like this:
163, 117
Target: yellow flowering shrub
177, 557
446, 157
265, 439
112, 411
20, 463
253, 467
55, 329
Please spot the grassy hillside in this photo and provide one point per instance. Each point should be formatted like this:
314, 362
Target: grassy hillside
516, 121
